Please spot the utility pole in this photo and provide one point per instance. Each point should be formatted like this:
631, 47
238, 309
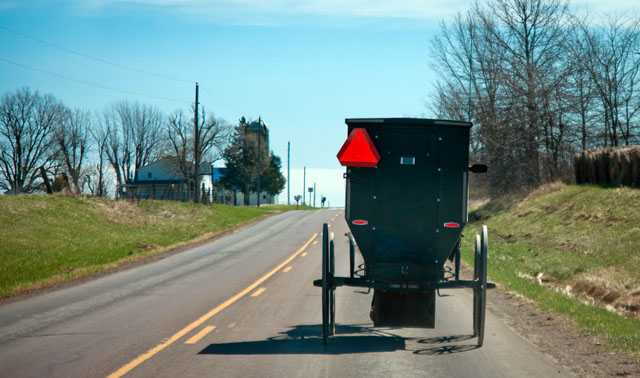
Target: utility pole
470, 68
314, 195
259, 157
196, 150
288, 173
304, 185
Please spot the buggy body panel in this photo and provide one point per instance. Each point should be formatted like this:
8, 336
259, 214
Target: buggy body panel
419, 185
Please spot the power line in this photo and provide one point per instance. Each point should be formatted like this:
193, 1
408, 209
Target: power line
220, 101
93, 84
94, 58
111, 64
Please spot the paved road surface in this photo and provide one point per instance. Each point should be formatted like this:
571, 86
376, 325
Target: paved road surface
244, 306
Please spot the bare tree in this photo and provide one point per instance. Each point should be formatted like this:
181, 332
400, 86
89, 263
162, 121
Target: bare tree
133, 137
179, 132
584, 99
505, 67
531, 35
213, 133
96, 176
611, 56
146, 124
72, 144
470, 66
27, 120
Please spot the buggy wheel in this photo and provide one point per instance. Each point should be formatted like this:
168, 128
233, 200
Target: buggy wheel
332, 290
456, 260
325, 283
484, 246
476, 291
352, 257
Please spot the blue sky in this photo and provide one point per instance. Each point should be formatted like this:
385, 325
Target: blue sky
303, 66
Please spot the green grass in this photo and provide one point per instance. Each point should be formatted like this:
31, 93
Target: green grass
46, 240
582, 238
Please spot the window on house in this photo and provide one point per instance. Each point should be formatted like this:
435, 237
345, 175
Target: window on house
149, 175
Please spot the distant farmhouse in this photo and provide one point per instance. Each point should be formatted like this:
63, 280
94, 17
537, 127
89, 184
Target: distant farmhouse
164, 180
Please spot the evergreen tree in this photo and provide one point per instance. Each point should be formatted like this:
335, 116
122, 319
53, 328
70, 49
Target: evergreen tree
241, 157
272, 179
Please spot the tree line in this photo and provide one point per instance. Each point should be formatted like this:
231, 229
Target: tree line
540, 83
98, 152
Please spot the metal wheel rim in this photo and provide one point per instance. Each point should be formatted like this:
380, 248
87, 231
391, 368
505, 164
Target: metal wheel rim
476, 294
332, 290
483, 278
352, 257
325, 284
332, 313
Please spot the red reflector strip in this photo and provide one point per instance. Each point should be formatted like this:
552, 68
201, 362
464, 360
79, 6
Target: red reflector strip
360, 222
451, 225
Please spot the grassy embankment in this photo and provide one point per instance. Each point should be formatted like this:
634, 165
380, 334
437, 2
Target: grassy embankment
45, 240
575, 250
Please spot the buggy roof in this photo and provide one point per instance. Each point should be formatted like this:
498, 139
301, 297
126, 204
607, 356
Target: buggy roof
407, 121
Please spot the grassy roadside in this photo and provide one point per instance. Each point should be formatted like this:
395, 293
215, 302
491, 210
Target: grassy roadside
46, 240
575, 250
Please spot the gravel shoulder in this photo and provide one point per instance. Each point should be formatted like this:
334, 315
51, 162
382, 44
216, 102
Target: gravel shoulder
559, 338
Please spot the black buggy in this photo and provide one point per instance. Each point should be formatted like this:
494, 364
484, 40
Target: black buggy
406, 205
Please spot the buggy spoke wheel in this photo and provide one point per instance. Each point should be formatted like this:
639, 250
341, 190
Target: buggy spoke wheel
484, 246
352, 257
332, 312
332, 290
325, 283
476, 291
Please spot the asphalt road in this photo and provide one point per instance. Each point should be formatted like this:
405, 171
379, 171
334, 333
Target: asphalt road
244, 306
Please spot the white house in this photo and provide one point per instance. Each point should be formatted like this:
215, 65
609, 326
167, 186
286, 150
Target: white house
164, 180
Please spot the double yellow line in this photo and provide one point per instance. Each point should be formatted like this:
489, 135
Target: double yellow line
153, 351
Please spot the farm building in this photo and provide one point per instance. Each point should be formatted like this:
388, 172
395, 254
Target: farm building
163, 180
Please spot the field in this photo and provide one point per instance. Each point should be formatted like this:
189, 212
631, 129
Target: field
575, 250
46, 240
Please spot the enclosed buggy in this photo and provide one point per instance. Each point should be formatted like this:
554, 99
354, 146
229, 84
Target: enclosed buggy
406, 206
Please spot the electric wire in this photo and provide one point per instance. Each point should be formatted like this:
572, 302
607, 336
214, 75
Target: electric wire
93, 84
220, 101
94, 58
86, 56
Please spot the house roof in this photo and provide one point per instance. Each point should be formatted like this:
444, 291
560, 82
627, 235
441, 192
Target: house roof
169, 166
206, 168
152, 182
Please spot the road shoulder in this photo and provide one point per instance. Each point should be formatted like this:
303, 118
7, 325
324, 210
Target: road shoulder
581, 354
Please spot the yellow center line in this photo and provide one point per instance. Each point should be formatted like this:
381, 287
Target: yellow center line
304, 254
153, 351
328, 226
287, 269
258, 292
314, 242
200, 335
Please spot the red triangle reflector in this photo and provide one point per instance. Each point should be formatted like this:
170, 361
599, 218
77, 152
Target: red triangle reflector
358, 150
